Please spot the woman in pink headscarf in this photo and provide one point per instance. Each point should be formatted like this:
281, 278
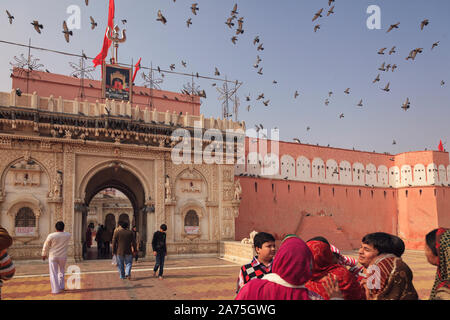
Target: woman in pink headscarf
291, 269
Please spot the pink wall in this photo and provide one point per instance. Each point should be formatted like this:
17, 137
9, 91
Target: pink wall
280, 211
355, 210
46, 84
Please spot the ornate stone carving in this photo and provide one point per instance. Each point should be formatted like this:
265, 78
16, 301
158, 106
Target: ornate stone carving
251, 239
237, 190
227, 193
57, 185
168, 189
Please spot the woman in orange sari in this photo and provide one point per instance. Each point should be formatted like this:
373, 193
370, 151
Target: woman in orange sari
325, 267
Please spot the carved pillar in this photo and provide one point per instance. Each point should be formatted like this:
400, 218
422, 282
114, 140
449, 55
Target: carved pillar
160, 192
80, 214
150, 216
68, 199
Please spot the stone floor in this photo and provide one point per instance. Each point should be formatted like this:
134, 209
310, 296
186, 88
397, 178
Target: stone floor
185, 279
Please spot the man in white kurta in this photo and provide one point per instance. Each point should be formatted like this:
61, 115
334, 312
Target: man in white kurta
55, 248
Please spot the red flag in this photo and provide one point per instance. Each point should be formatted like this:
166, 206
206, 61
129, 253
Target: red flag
106, 42
441, 146
136, 68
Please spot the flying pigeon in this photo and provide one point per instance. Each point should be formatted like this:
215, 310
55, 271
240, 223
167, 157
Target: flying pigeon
10, 17
37, 26
93, 23
318, 14
66, 32
393, 26
194, 8
161, 17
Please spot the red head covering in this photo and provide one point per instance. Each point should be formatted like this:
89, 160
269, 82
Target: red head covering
292, 264
324, 266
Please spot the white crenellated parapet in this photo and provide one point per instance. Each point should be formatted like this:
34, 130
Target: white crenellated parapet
383, 176
97, 110
432, 174
122, 108
85, 107
394, 177
128, 109
136, 113
442, 174
34, 100
287, 167
146, 115
254, 162
345, 172
406, 178
332, 172
13, 98
358, 174
420, 175
303, 169
318, 170
371, 175
167, 117
448, 174
76, 106
60, 105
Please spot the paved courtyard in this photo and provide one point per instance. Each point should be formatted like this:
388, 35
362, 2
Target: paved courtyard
186, 279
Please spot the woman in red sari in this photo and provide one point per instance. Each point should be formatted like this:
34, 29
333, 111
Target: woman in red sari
324, 267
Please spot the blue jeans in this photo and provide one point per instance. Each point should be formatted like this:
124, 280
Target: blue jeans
160, 256
124, 264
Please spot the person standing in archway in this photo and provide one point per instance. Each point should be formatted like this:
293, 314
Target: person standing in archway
159, 250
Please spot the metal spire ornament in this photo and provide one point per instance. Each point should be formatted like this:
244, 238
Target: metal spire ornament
229, 95
82, 72
27, 65
152, 82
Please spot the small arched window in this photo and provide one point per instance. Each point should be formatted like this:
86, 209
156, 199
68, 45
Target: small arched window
25, 222
191, 222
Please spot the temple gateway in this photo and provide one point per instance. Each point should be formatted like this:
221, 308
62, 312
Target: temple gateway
59, 151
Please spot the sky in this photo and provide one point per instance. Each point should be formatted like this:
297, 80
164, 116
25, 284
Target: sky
341, 54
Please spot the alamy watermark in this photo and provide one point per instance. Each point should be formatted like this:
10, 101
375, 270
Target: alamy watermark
74, 279
374, 20
74, 19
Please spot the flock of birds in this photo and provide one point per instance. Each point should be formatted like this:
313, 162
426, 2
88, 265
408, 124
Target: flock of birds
233, 21
384, 67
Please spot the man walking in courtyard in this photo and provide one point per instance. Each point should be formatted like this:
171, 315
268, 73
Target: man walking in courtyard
55, 249
159, 250
124, 247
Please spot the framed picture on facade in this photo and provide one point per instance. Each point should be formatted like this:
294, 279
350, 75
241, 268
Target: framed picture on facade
117, 84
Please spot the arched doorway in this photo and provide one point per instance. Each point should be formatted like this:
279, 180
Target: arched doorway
116, 177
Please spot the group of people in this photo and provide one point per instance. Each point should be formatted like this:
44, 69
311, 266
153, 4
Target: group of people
103, 237
125, 244
316, 270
